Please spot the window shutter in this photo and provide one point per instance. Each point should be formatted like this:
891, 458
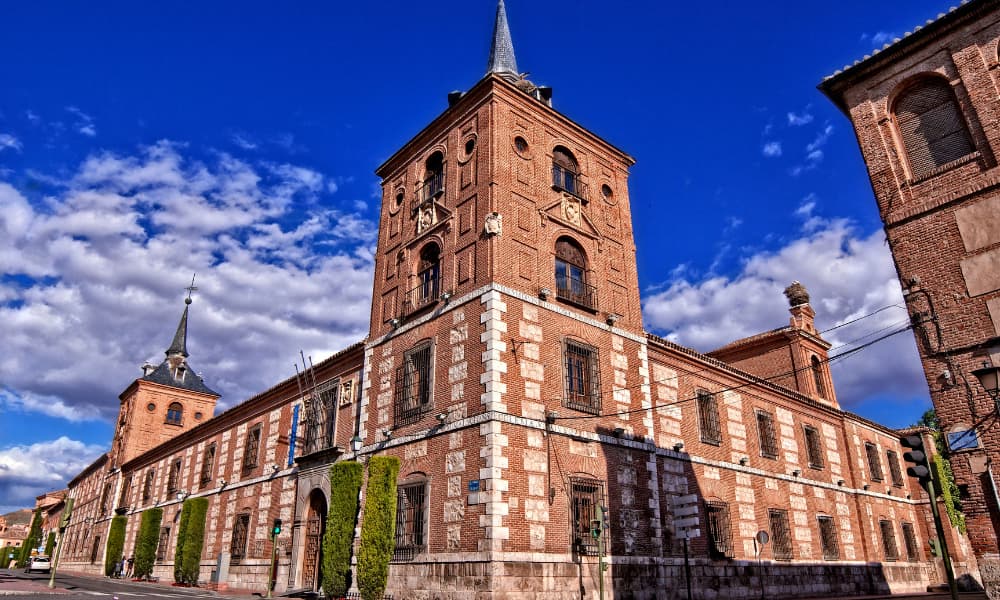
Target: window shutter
932, 127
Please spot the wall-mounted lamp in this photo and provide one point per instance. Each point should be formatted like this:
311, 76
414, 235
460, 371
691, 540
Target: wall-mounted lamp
840, 482
275, 468
989, 378
182, 494
387, 434
222, 482
796, 473
888, 491
865, 487
619, 432
446, 296
551, 417
356, 443
441, 418
678, 446
744, 460
395, 322
544, 293
613, 318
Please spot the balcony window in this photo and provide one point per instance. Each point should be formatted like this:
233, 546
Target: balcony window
433, 183
428, 287
566, 173
571, 275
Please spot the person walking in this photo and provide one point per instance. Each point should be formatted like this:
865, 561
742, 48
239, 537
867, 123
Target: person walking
128, 566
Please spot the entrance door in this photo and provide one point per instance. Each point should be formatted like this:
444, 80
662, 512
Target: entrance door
314, 525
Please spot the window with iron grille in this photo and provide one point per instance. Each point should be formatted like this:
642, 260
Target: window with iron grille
411, 521
321, 418
894, 469
241, 529
767, 435
207, 465
718, 529
162, 544
814, 447
817, 371
105, 495
910, 539
173, 476
888, 540
781, 538
414, 385
251, 448
708, 418
931, 125
874, 463
147, 486
586, 498
583, 377
828, 537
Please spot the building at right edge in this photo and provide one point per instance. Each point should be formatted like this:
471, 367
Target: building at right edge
927, 117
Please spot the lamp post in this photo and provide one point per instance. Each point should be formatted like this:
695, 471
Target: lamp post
989, 378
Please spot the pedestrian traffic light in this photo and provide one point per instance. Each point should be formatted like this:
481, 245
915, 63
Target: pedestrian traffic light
276, 528
917, 457
595, 528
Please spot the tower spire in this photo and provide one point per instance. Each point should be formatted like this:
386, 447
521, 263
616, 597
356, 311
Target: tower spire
502, 61
179, 344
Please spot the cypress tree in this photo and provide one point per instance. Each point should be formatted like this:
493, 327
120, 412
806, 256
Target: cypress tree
116, 544
345, 483
194, 540
34, 536
378, 530
50, 543
146, 541
181, 533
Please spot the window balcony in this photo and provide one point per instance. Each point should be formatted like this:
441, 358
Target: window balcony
424, 295
576, 291
567, 181
431, 189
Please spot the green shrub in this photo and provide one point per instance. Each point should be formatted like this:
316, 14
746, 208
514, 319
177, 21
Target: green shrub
345, 483
50, 543
146, 541
945, 480
116, 544
193, 542
179, 549
30, 542
378, 530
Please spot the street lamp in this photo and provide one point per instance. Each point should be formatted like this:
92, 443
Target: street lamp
356, 443
988, 377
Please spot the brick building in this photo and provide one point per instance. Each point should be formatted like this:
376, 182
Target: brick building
507, 368
925, 110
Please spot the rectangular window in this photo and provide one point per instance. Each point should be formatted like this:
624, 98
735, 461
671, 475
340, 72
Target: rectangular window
241, 527
814, 447
162, 544
411, 521
95, 549
828, 538
126, 489
894, 470
173, 477
583, 390
708, 418
104, 497
147, 487
874, 464
251, 448
910, 539
781, 538
888, 540
207, 465
717, 526
767, 435
587, 496
413, 385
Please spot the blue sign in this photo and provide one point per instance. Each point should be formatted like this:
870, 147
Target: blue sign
291, 436
474, 485
960, 440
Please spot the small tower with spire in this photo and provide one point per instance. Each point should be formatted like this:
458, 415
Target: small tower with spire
169, 398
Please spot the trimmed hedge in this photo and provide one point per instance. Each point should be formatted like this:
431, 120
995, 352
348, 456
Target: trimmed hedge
187, 561
116, 544
345, 483
50, 543
146, 541
378, 530
30, 542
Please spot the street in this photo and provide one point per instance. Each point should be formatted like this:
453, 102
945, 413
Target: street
17, 584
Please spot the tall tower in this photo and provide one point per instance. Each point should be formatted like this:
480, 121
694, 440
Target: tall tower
925, 110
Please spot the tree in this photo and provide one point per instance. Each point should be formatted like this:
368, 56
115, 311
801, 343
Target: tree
146, 542
116, 544
345, 483
378, 529
941, 465
179, 550
193, 541
50, 543
30, 542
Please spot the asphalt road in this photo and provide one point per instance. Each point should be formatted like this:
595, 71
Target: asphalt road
17, 584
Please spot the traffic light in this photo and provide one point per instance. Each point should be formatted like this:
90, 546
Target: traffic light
917, 457
66, 514
595, 528
276, 528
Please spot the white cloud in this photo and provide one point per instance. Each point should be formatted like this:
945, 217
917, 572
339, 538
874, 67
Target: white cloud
799, 119
32, 116
84, 123
772, 149
879, 38
848, 275
821, 138
29, 470
9, 141
814, 155
243, 141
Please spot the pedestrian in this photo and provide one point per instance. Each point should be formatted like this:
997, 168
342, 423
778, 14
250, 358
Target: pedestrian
128, 568
120, 567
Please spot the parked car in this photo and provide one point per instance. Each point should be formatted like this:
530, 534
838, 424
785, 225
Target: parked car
38, 563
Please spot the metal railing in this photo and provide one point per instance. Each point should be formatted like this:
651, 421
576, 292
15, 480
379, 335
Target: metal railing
568, 181
431, 188
425, 294
576, 291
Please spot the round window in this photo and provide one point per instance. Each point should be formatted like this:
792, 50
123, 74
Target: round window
521, 145
150, 407
470, 145
608, 194
197, 416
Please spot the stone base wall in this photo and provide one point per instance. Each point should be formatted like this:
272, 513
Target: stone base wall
659, 580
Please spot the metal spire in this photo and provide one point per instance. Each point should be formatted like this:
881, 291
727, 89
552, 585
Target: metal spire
179, 345
502, 61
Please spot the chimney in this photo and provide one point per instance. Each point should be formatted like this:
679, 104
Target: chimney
803, 316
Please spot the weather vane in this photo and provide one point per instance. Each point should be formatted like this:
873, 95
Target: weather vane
191, 288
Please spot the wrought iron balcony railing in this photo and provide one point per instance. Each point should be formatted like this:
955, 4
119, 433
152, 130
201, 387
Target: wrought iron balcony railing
576, 291
568, 181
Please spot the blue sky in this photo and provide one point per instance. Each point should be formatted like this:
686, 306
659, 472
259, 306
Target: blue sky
141, 142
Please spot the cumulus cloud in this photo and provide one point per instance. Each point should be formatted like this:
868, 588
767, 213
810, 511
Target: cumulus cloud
94, 273
848, 275
9, 141
84, 123
772, 149
27, 471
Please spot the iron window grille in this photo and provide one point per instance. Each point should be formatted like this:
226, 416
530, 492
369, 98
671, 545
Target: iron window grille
894, 469
321, 419
814, 447
586, 497
411, 521
162, 544
932, 127
828, 537
431, 187
126, 489
94, 549
251, 448
207, 465
413, 385
910, 539
718, 528
766, 433
583, 377
147, 486
781, 538
173, 476
888, 540
874, 463
708, 418
175, 413
241, 529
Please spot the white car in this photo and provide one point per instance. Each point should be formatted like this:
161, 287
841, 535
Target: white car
38, 563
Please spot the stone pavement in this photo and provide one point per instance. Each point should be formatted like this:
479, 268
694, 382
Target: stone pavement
11, 586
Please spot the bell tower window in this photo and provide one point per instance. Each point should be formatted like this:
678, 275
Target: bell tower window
817, 371
433, 183
566, 172
931, 125
571, 275
175, 413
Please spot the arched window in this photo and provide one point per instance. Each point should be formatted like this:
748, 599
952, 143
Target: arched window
174, 413
817, 370
565, 171
571, 274
433, 183
428, 276
931, 126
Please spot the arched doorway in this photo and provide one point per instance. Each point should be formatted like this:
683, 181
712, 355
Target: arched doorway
315, 526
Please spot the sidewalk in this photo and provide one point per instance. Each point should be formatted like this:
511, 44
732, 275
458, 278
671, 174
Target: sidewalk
11, 586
